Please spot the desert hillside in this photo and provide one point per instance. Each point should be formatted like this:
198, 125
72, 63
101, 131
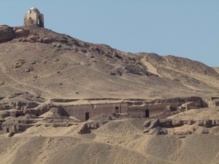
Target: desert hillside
217, 69
50, 65
42, 72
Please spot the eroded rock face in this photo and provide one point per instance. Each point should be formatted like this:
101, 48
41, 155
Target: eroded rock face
161, 126
151, 124
6, 33
84, 129
21, 32
32, 35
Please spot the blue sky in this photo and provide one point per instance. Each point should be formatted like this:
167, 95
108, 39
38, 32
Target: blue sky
186, 28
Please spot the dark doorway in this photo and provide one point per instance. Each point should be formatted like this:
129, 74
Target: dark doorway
147, 113
116, 109
87, 116
7, 130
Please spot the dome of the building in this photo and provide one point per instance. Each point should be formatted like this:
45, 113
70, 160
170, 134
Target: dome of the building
33, 9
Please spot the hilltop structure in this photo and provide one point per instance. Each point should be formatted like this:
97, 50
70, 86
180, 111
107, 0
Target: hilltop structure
33, 17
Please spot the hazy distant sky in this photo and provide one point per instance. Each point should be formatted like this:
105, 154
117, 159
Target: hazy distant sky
186, 28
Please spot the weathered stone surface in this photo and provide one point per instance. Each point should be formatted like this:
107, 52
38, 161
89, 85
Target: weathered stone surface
4, 114
207, 123
190, 122
147, 123
177, 123
84, 129
215, 122
32, 38
200, 123
165, 123
157, 131
6, 33
216, 102
150, 124
93, 124
158, 127
171, 108
47, 40
11, 134
183, 133
21, 32
55, 111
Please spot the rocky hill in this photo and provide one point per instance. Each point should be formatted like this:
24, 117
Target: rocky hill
48, 65
41, 69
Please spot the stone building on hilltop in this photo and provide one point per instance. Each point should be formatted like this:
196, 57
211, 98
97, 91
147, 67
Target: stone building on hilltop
33, 17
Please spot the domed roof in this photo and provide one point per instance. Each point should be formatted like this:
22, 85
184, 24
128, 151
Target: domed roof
33, 9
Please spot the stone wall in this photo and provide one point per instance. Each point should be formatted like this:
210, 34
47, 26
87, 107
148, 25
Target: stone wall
136, 111
79, 111
164, 107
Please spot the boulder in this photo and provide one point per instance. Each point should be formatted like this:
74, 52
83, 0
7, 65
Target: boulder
6, 33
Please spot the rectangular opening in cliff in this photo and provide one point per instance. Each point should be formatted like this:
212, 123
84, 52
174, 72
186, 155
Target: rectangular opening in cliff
147, 113
116, 109
87, 116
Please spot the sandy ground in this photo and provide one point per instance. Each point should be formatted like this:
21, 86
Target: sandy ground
120, 141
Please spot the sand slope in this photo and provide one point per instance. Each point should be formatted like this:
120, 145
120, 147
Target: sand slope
66, 67
148, 149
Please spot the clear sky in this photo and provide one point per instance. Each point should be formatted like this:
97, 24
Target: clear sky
186, 28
